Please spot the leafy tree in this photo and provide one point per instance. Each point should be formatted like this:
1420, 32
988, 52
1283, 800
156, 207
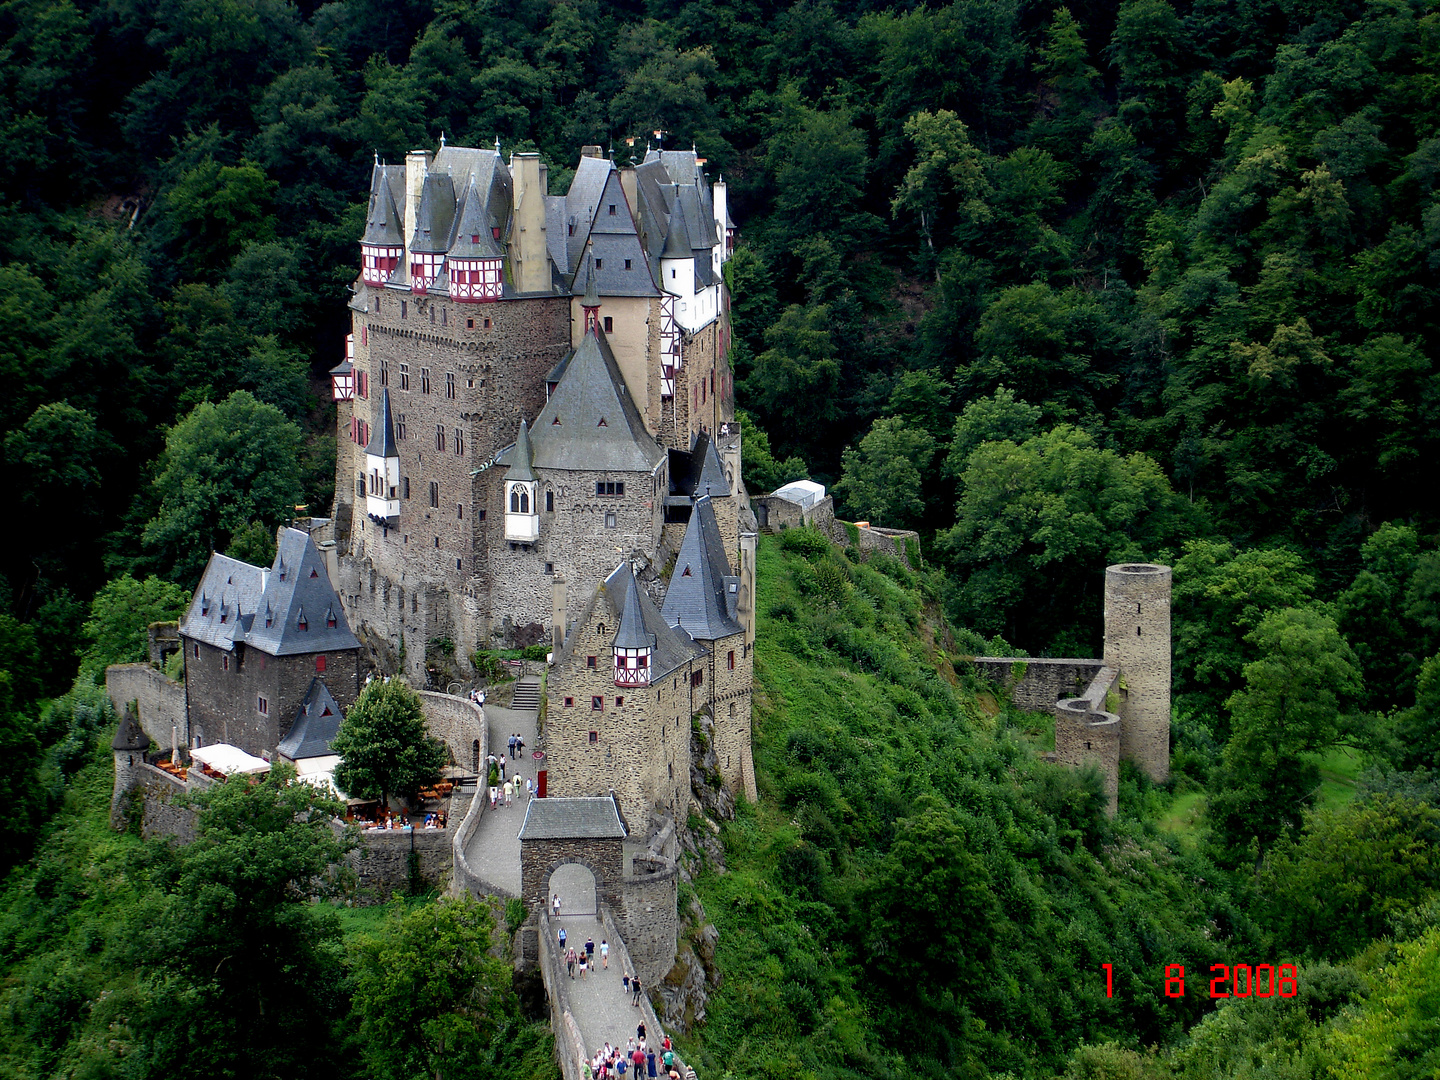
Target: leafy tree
430, 997
120, 615
1298, 693
1337, 886
215, 210
1220, 596
385, 745
1000, 417
886, 478
251, 967
1035, 521
1394, 1036
224, 466
1417, 729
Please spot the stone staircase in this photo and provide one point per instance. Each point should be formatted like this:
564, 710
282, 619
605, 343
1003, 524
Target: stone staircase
527, 694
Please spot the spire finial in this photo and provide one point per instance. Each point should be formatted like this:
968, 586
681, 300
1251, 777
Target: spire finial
442, 140
497, 145
377, 157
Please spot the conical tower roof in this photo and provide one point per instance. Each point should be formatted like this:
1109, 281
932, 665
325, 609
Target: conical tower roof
592, 295
699, 598
130, 736
522, 457
383, 225
677, 237
632, 633
475, 221
382, 438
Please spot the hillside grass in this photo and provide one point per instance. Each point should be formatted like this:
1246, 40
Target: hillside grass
916, 891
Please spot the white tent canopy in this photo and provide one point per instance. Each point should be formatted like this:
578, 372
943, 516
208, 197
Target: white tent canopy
805, 492
229, 760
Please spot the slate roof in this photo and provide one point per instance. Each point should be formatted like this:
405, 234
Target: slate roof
703, 593
383, 223
572, 819
632, 633
475, 219
599, 428
521, 456
672, 646
677, 236
130, 736
240, 603
317, 722
435, 217
382, 435
704, 472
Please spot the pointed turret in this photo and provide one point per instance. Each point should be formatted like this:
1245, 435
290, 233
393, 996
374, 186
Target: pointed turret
382, 468
434, 222
384, 241
703, 594
522, 504
634, 643
591, 300
475, 259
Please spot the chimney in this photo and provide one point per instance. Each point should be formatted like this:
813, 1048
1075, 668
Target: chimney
557, 612
417, 164
591, 151
528, 256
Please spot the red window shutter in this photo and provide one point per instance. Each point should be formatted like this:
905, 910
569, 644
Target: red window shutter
320, 665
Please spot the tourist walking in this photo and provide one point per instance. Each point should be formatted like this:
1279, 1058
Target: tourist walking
590, 948
562, 937
509, 790
511, 744
555, 904
570, 962
584, 965
640, 1031
635, 991
650, 1064
626, 981
604, 954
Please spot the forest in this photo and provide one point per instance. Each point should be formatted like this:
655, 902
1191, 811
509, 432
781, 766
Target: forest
1057, 285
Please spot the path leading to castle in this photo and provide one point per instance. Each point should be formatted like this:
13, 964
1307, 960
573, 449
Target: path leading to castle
599, 1002
494, 850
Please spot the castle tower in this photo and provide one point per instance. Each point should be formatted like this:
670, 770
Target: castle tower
1084, 735
129, 744
522, 508
1137, 643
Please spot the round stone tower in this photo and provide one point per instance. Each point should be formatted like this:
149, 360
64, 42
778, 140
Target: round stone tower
1137, 643
1082, 735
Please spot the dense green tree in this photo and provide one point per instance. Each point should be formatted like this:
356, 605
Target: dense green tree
1336, 886
251, 967
224, 466
1394, 1036
888, 477
430, 997
385, 745
1052, 509
120, 614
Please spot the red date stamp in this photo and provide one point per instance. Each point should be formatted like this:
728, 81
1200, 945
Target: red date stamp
1239, 980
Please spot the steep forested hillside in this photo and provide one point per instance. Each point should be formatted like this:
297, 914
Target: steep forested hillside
918, 893
1056, 285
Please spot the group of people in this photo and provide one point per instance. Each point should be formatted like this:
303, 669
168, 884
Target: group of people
391, 820
635, 1058
584, 958
511, 787
434, 821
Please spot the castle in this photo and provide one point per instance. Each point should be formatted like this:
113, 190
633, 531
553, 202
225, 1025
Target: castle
536, 418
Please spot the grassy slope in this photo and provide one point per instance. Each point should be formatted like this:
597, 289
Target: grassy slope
859, 715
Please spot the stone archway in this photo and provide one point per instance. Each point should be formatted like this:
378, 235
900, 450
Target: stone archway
584, 833
575, 885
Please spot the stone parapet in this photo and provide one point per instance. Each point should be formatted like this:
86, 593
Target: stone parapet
1036, 684
159, 701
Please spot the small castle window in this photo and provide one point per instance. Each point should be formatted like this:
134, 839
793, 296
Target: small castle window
697, 678
404, 309
262, 706
549, 502
569, 702
627, 264
460, 441
435, 494
487, 324
314, 573
732, 662
597, 703
594, 737
602, 423
225, 662
475, 238
549, 567
405, 486
599, 263
609, 324
469, 324
404, 376
440, 437
424, 380
612, 209
331, 623
1137, 631
450, 384
457, 564
619, 701
460, 511
610, 521
320, 665
301, 624
590, 660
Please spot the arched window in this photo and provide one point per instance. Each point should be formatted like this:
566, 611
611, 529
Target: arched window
519, 500
524, 502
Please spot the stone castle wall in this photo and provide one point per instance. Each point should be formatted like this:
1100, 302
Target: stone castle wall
648, 922
160, 702
730, 670
1085, 735
224, 691
641, 747
1040, 681
459, 724
382, 861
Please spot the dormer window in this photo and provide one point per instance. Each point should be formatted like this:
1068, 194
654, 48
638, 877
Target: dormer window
474, 238
495, 232
300, 621
314, 573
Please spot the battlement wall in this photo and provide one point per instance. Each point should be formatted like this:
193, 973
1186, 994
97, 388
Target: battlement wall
159, 701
